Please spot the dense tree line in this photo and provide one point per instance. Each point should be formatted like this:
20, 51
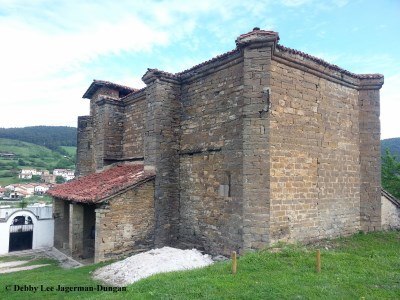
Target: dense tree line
51, 137
391, 174
393, 145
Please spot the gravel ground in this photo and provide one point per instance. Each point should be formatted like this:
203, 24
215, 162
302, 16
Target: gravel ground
155, 261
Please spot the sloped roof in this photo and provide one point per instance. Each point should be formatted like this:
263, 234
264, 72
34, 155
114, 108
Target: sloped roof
95, 187
96, 84
390, 197
258, 31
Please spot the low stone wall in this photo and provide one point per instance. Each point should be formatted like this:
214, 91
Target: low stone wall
126, 224
390, 215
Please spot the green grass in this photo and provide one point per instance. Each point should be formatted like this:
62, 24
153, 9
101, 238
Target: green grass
70, 150
360, 266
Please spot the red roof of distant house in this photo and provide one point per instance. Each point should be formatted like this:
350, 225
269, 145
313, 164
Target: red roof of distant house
96, 187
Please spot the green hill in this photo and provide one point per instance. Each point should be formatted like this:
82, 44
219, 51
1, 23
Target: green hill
51, 137
393, 145
28, 155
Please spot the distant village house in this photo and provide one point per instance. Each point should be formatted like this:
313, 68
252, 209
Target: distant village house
67, 174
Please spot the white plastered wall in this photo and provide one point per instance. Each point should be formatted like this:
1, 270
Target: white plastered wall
43, 231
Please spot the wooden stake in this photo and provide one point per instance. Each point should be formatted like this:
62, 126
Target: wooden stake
318, 264
234, 262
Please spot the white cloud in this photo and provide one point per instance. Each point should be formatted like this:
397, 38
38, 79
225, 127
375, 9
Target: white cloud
295, 2
51, 50
46, 49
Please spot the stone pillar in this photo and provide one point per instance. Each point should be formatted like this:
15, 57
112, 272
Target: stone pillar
370, 154
76, 229
61, 223
161, 151
257, 47
84, 151
102, 242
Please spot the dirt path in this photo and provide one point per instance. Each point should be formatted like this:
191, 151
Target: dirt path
11, 270
52, 253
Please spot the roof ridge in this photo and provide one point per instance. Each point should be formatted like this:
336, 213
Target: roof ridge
106, 82
327, 64
211, 60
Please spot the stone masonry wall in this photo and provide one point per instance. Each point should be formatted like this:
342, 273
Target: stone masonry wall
210, 160
84, 152
315, 166
126, 225
104, 123
134, 121
112, 122
390, 215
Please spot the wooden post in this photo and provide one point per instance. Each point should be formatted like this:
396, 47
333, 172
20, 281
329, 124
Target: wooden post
318, 264
234, 262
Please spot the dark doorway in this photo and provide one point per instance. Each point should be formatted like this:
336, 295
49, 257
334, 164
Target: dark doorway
21, 234
89, 231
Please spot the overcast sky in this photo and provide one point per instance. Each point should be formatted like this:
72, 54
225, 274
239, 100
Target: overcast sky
52, 50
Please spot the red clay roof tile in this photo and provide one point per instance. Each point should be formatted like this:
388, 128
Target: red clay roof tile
95, 187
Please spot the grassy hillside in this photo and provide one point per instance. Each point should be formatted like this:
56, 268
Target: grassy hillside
51, 137
393, 145
362, 266
28, 155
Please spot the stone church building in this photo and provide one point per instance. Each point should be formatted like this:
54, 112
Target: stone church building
261, 144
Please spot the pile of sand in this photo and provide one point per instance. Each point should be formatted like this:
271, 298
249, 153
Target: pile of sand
155, 261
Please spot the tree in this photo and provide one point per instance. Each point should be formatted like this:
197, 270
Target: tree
21, 162
36, 178
23, 203
60, 179
391, 174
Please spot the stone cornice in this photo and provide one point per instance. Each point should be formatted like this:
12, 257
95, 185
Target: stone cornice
109, 100
154, 74
258, 39
371, 83
133, 97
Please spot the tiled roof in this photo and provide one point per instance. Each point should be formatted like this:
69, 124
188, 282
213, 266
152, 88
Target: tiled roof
280, 48
95, 187
390, 197
212, 60
96, 84
181, 75
326, 64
